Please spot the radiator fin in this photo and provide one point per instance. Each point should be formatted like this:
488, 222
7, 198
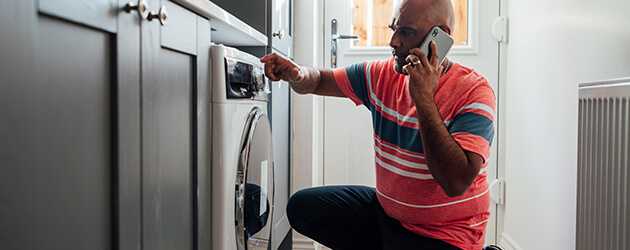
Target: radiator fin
603, 220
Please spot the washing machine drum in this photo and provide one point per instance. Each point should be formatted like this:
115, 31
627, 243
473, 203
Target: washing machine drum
254, 184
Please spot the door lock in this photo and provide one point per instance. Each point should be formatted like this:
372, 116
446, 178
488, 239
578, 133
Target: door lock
333, 42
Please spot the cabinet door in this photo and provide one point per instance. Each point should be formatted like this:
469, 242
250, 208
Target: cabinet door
60, 124
281, 33
170, 67
281, 130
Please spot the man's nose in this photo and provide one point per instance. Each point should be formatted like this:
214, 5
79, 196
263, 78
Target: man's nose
394, 42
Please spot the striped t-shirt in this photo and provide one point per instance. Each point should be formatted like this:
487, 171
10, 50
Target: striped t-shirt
404, 185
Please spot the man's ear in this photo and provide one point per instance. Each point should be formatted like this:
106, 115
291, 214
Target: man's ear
446, 29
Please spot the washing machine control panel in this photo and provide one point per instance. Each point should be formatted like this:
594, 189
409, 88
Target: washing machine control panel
244, 80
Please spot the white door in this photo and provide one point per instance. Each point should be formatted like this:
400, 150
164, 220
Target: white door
348, 133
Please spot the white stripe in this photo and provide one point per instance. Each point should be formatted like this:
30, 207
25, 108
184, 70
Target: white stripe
397, 149
403, 172
433, 206
394, 158
405, 162
379, 103
479, 106
474, 106
474, 225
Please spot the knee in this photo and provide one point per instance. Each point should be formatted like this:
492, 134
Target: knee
296, 203
298, 207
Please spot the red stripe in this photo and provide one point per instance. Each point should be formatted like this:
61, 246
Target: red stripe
416, 154
473, 143
401, 166
387, 148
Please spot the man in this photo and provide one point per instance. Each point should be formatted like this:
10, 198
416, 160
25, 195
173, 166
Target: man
433, 125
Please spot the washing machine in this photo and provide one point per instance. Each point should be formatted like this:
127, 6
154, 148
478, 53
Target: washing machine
242, 152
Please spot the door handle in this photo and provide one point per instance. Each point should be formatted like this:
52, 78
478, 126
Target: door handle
162, 15
141, 7
278, 34
333, 42
335, 37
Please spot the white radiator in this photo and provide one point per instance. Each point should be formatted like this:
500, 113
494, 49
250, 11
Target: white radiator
603, 212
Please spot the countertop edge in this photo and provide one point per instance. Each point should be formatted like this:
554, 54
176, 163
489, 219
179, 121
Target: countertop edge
225, 22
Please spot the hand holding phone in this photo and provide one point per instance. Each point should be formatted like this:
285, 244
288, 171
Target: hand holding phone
424, 79
443, 41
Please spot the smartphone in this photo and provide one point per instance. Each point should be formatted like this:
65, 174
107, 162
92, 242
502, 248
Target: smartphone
443, 41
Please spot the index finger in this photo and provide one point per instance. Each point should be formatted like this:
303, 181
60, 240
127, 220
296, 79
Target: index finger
270, 71
268, 58
421, 56
434, 54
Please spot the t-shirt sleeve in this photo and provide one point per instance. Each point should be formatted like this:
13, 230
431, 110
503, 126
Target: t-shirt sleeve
352, 82
473, 124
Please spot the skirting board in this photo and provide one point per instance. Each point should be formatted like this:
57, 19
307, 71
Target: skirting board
300, 242
507, 243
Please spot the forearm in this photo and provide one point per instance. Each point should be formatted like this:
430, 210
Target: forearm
317, 81
303, 79
447, 161
310, 80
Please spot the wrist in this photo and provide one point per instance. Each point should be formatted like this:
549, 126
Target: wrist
423, 99
425, 105
304, 80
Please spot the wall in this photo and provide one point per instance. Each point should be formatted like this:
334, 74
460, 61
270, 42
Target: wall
552, 47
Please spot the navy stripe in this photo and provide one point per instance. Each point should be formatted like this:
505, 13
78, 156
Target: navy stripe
357, 78
390, 132
473, 123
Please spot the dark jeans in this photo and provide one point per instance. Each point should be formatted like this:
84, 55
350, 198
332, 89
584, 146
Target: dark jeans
350, 217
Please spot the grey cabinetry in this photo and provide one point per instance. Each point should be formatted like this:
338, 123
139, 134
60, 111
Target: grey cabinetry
60, 124
98, 126
281, 41
281, 29
174, 68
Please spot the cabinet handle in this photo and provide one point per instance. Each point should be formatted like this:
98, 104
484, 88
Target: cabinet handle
162, 15
278, 34
141, 7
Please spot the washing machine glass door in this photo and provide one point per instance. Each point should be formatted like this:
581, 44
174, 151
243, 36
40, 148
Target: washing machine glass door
254, 189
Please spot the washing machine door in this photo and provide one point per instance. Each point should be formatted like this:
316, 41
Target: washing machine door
254, 184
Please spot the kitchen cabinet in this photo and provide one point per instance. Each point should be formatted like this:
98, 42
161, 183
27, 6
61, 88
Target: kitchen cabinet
101, 123
281, 29
174, 65
274, 18
59, 123
280, 116
255, 15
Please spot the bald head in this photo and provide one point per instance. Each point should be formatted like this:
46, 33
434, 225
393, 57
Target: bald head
444, 12
411, 23
430, 12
